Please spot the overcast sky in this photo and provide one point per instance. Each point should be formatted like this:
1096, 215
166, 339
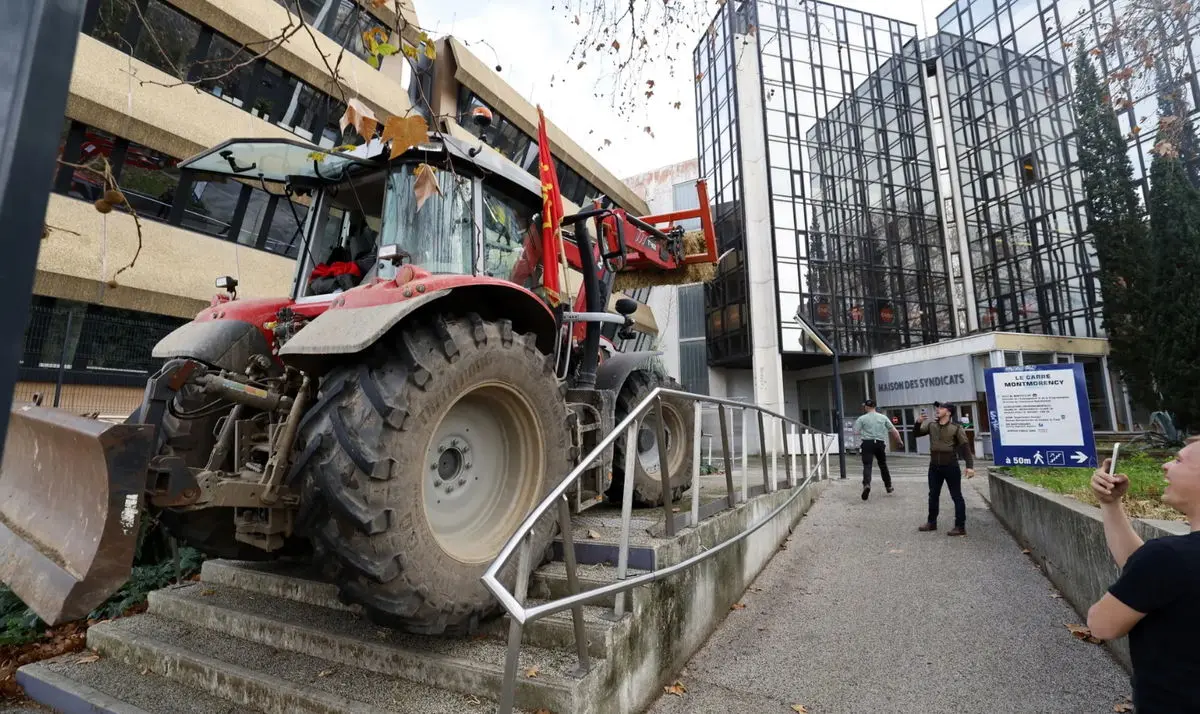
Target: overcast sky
532, 44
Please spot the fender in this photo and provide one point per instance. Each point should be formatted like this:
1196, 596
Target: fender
613, 371
227, 344
347, 328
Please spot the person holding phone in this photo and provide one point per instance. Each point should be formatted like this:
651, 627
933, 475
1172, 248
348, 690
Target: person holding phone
947, 439
873, 427
1156, 599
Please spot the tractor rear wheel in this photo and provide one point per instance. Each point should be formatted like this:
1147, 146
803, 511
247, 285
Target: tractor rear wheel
679, 420
420, 461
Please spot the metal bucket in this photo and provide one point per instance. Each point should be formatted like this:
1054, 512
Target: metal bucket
71, 491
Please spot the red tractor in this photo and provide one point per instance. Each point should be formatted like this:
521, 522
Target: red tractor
395, 418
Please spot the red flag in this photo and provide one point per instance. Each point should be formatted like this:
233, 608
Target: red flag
552, 213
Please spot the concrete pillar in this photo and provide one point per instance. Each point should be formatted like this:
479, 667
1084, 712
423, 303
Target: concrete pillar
759, 242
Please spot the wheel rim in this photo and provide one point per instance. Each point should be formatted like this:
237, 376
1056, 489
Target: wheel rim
647, 442
483, 471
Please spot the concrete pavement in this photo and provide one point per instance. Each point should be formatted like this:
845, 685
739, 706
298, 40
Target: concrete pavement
862, 613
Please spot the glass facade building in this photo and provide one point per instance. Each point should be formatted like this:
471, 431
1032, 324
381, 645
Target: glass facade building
919, 189
1007, 71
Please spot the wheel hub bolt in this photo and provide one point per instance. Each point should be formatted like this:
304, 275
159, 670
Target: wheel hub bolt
462, 482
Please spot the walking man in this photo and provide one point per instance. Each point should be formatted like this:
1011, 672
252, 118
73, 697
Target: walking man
872, 428
946, 439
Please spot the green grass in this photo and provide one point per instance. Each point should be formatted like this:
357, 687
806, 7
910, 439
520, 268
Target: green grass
1144, 499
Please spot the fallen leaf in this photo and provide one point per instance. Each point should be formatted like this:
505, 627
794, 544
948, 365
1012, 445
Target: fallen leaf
1056, 594
404, 133
1083, 633
755, 589
145, 671
800, 709
88, 659
737, 606
1026, 551
1122, 707
896, 550
593, 535
208, 591
532, 671
474, 700
677, 689
325, 673
675, 509
543, 710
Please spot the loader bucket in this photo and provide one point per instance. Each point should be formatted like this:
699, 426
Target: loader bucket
70, 501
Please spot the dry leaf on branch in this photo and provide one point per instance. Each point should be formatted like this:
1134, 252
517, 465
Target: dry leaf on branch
1083, 633
800, 709
359, 116
593, 535
532, 671
425, 184
88, 659
737, 606
677, 689
404, 133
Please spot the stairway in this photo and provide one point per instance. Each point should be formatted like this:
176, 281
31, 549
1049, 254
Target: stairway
273, 637
252, 637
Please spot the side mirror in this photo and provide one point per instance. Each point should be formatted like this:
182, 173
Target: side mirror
626, 306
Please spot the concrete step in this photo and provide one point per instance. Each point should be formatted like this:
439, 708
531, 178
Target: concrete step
256, 676
301, 584
469, 667
74, 683
550, 581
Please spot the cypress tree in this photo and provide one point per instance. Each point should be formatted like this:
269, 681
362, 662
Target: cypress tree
1118, 230
1175, 243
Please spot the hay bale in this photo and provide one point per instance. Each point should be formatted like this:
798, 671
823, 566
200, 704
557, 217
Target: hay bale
693, 244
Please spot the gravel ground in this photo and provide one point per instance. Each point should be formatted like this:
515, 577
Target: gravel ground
862, 613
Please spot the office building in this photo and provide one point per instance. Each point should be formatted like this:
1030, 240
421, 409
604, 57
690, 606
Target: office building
914, 201
156, 81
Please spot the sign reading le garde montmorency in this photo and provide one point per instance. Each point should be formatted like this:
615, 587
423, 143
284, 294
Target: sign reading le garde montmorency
1040, 416
950, 379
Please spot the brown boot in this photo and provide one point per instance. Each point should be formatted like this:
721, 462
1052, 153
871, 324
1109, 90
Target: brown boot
927, 527
957, 531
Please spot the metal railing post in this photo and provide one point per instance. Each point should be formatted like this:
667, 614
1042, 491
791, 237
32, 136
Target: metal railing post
512, 659
774, 453
805, 440
745, 454
728, 456
789, 468
762, 454
668, 493
568, 545
698, 415
626, 513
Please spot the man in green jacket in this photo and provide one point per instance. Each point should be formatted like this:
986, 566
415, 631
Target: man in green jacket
873, 427
947, 439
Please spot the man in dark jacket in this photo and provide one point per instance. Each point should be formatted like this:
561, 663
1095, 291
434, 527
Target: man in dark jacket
947, 440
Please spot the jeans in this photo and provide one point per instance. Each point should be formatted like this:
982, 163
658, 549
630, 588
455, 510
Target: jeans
872, 450
952, 477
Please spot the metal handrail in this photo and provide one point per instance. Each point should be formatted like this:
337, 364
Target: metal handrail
513, 602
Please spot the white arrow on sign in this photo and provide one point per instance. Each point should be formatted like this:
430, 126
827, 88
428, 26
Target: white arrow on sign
1079, 457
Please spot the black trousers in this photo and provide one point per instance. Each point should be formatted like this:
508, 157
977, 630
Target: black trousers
952, 477
873, 449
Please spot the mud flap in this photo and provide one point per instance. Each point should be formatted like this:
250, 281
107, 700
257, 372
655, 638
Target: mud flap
71, 491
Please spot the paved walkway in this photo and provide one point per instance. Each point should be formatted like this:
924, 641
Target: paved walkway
862, 613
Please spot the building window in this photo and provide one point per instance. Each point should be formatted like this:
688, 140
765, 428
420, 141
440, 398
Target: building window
343, 21
684, 197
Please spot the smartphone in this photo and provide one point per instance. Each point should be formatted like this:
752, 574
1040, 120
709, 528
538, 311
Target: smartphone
1112, 469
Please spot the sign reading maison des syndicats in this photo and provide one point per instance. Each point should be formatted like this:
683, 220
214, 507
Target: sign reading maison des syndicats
949, 379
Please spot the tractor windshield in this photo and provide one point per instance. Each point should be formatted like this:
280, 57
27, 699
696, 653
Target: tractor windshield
427, 211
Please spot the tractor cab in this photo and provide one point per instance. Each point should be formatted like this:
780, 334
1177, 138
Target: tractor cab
443, 206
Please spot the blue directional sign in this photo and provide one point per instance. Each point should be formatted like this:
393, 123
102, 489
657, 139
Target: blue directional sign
1039, 416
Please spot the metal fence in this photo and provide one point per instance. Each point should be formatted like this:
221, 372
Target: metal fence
88, 359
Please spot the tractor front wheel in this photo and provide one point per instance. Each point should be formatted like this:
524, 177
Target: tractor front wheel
678, 422
420, 462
